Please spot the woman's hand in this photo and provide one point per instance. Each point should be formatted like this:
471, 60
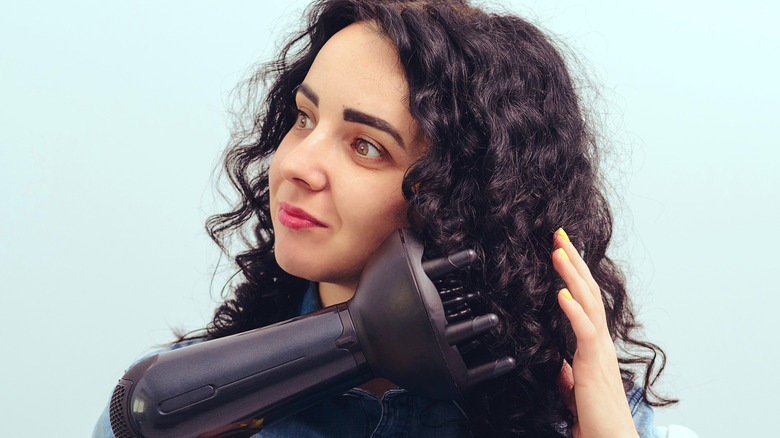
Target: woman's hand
593, 389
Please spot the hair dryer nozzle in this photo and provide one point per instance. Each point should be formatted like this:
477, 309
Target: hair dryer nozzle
491, 370
401, 322
438, 268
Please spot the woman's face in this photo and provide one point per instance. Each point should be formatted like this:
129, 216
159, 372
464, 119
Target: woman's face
335, 180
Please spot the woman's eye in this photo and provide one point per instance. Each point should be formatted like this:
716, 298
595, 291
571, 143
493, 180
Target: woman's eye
303, 121
366, 149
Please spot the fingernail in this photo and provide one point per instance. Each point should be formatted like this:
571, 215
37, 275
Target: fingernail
563, 235
566, 294
563, 254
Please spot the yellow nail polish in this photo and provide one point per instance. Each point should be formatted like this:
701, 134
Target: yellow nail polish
566, 294
564, 235
563, 254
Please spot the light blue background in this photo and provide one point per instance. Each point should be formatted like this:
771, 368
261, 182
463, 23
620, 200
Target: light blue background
114, 116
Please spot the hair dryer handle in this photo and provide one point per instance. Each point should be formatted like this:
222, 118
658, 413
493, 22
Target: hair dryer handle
232, 386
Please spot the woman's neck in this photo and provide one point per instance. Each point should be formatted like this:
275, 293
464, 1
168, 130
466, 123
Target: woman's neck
335, 293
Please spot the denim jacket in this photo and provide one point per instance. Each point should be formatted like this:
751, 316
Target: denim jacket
398, 414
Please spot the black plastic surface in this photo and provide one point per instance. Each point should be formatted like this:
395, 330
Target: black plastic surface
240, 382
400, 321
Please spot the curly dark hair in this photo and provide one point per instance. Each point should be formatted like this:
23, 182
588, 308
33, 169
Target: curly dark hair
510, 159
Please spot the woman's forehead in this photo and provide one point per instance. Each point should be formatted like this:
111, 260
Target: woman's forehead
359, 63
358, 68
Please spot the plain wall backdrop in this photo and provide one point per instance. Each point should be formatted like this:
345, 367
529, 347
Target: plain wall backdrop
114, 116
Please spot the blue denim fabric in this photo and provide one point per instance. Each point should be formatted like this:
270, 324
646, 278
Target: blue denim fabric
359, 413
642, 414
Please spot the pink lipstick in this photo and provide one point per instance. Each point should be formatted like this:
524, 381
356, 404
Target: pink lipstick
295, 218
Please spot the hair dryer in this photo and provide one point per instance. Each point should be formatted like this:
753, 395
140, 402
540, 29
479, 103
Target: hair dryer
396, 327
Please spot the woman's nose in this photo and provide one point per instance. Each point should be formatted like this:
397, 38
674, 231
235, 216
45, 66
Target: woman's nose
305, 162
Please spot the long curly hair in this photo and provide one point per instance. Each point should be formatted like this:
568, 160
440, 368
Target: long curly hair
510, 159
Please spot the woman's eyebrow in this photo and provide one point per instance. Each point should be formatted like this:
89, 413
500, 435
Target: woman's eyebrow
353, 115
308, 92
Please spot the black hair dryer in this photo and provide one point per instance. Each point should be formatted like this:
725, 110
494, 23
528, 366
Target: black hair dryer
395, 327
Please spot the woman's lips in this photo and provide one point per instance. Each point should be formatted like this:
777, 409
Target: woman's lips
295, 218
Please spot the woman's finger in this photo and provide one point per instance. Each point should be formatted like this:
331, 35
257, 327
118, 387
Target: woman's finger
581, 323
561, 240
577, 286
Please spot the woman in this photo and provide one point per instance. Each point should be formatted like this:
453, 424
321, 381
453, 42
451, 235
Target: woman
466, 127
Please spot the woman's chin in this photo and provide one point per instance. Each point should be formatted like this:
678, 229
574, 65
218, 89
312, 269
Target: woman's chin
317, 270
293, 266
306, 269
